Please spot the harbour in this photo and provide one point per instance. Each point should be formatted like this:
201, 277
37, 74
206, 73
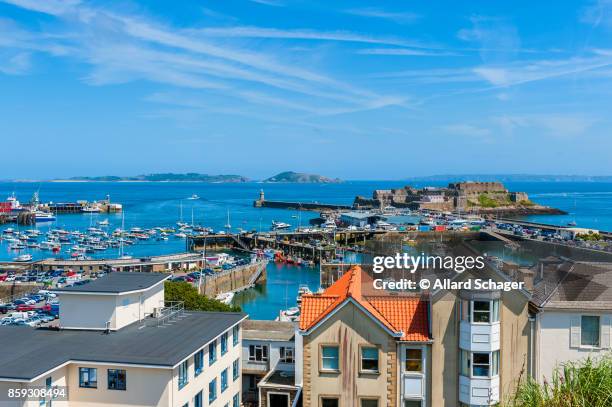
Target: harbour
155, 205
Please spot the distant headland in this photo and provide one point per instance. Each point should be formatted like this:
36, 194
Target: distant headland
300, 177
287, 176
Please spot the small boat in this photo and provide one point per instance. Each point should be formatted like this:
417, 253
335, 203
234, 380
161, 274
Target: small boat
291, 315
225, 298
572, 223
91, 209
303, 289
280, 225
41, 216
23, 257
193, 197
103, 222
180, 235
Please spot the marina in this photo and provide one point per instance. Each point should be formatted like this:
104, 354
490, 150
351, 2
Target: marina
154, 213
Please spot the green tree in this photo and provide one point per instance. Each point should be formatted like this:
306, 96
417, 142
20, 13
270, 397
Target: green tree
188, 294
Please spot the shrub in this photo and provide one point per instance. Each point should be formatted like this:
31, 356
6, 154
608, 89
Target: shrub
587, 383
188, 294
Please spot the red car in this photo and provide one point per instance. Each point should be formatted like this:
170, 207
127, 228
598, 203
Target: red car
24, 307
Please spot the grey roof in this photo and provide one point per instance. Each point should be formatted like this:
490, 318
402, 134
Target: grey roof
566, 284
267, 330
40, 350
118, 282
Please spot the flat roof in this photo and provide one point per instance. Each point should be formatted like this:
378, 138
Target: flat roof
41, 350
261, 330
118, 282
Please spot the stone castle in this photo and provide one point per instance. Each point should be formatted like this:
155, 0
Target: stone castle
456, 196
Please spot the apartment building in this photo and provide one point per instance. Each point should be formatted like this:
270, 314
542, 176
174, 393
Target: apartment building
572, 313
363, 348
118, 346
268, 364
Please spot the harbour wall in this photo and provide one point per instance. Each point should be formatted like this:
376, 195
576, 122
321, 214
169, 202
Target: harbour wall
301, 206
236, 279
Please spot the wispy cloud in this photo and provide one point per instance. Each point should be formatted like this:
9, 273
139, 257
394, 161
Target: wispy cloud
122, 48
274, 3
397, 17
304, 34
17, 64
597, 13
405, 52
468, 130
552, 124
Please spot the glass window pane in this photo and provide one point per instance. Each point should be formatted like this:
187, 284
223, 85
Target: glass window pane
495, 363
481, 305
329, 402
495, 311
369, 403
414, 361
590, 331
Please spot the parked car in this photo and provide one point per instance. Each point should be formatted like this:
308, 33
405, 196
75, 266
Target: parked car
24, 307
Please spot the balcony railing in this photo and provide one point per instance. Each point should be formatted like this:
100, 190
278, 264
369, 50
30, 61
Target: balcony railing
479, 337
479, 391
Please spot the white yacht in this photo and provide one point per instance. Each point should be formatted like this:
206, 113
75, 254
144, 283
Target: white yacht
280, 225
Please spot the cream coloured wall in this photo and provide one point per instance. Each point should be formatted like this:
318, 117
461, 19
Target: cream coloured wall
349, 328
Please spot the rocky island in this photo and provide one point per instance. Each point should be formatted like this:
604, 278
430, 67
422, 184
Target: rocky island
302, 178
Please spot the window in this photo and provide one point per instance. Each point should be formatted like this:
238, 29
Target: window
88, 377
278, 400
236, 369
235, 334
412, 403
223, 344
329, 358
414, 360
236, 400
258, 353
330, 402
286, 354
198, 362
483, 364
369, 359
223, 380
197, 400
480, 364
369, 403
212, 391
183, 377
116, 379
589, 331
212, 352
465, 363
482, 311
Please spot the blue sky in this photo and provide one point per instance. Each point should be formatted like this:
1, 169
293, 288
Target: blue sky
358, 90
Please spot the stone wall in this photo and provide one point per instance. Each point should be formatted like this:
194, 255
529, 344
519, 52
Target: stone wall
233, 280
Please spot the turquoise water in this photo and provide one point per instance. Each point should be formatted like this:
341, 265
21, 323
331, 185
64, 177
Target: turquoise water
158, 204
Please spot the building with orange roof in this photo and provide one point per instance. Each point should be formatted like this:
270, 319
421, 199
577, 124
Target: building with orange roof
363, 348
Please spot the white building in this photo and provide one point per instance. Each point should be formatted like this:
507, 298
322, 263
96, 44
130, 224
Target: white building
573, 302
117, 351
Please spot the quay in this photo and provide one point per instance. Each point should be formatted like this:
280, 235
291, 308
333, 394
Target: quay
314, 246
300, 206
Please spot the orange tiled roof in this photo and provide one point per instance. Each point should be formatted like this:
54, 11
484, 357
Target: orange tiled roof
407, 315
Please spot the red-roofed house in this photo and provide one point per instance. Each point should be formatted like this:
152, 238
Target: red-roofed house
355, 345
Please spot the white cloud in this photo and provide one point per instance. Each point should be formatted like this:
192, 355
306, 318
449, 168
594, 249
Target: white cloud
551, 124
18, 64
465, 129
397, 17
404, 52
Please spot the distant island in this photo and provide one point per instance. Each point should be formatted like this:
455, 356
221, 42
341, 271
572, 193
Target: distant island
302, 178
512, 178
162, 177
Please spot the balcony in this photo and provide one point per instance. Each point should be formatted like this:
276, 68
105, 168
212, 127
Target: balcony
480, 391
477, 337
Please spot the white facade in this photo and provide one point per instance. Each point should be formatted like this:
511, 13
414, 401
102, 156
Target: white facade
560, 338
87, 310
